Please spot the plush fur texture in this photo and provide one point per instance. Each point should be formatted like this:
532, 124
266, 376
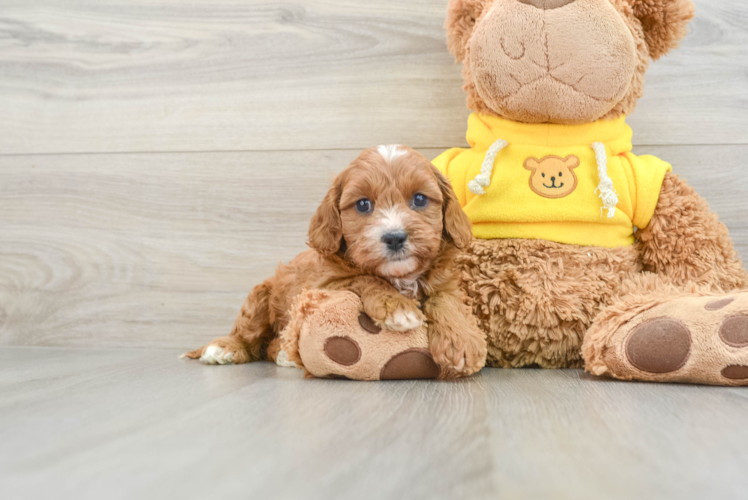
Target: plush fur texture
537, 299
575, 64
371, 200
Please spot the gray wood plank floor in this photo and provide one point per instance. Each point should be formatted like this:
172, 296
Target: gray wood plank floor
123, 424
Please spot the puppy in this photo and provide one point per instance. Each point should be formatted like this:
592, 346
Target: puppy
388, 230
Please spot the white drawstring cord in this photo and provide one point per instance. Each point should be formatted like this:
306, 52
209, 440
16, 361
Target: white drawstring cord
606, 188
483, 179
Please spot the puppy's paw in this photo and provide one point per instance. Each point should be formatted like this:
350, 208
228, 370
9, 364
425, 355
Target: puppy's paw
216, 355
222, 351
458, 357
402, 321
394, 312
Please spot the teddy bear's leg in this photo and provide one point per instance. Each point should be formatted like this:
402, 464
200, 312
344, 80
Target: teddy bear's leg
659, 332
455, 341
686, 243
329, 336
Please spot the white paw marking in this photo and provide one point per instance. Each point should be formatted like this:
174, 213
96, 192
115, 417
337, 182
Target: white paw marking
403, 321
282, 360
460, 366
215, 355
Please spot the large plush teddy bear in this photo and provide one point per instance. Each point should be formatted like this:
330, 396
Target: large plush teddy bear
587, 255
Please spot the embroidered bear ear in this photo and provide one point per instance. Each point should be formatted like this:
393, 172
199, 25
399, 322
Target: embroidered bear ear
665, 23
462, 16
571, 162
532, 164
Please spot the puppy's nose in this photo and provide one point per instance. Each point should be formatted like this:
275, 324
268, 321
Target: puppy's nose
395, 241
547, 4
553, 179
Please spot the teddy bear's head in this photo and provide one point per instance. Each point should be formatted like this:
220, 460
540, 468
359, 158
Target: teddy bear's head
561, 61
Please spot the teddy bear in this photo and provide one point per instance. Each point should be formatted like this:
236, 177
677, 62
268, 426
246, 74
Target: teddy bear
585, 254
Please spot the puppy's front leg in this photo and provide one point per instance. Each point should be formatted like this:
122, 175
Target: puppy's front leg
389, 308
456, 343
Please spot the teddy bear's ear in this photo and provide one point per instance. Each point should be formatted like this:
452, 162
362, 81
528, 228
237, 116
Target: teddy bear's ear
664, 21
461, 18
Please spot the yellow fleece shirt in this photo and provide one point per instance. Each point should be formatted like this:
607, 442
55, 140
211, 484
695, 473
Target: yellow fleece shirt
544, 182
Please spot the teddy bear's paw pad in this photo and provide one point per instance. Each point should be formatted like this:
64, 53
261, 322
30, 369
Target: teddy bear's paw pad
736, 372
343, 350
411, 364
368, 324
661, 345
716, 305
734, 331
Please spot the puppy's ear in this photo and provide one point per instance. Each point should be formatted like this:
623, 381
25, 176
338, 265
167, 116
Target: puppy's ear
462, 16
665, 23
326, 226
457, 227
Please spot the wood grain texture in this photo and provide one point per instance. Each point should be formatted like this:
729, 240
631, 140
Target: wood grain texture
158, 427
229, 75
159, 250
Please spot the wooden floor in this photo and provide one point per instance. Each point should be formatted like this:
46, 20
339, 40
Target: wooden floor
159, 157
125, 423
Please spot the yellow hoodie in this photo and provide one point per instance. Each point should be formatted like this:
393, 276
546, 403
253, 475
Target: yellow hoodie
574, 184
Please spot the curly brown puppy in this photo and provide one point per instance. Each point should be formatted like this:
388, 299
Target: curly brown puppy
388, 230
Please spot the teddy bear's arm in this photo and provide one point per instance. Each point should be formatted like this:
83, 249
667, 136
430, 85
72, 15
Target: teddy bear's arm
685, 242
455, 341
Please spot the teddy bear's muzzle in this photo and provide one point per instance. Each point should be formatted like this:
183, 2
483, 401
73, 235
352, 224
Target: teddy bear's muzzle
535, 62
547, 4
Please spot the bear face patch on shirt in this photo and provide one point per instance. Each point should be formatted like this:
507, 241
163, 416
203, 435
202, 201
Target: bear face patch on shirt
553, 176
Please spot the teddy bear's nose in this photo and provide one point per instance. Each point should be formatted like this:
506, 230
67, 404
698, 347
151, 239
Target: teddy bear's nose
547, 4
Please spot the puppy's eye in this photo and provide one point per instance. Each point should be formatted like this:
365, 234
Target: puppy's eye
420, 201
543, 175
560, 174
363, 206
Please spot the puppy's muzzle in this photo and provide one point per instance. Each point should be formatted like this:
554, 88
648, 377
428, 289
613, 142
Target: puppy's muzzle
395, 241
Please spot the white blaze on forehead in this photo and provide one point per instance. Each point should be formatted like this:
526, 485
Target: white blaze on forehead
391, 152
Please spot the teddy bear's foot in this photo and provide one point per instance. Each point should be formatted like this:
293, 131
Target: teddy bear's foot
690, 338
330, 337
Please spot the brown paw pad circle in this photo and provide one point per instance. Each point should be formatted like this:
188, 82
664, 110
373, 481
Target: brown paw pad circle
659, 346
410, 364
735, 372
719, 304
368, 324
734, 331
343, 350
